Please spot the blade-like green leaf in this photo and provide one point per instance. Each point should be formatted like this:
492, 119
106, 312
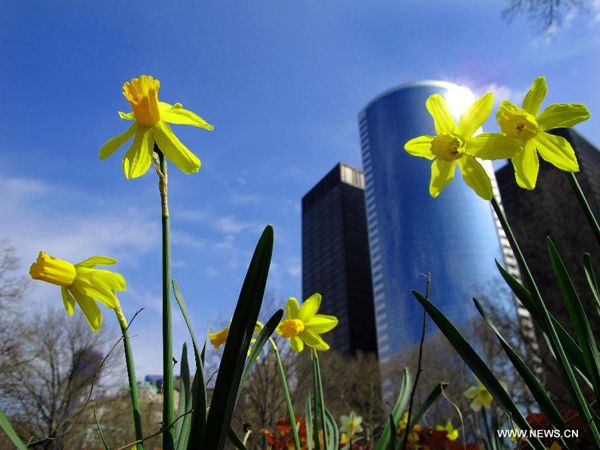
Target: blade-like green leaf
400, 405
236, 348
586, 339
537, 390
392, 444
235, 440
261, 340
100, 432
476, 364
10, 432
183, 425
571, 348
334, 432
198, 417
591, 279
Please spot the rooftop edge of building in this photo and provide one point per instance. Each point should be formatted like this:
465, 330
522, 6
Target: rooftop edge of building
328, 181
431, 83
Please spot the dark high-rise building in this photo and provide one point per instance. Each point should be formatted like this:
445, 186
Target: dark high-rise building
335, 257
551, 209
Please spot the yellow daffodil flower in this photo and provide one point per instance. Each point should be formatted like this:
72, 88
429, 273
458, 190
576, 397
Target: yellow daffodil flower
218, 338
529, 127
81, 283
302, 325
413, 436
451, 432
480, 396
456, 144
150, 126
351, 424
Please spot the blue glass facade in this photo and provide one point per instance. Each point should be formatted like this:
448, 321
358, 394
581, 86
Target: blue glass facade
454, 237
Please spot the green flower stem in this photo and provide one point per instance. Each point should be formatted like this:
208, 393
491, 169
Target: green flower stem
584, 205
286, 393
560, 352
319, 399
133, 390
168, 404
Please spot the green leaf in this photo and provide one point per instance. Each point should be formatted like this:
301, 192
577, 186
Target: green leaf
235, 440
183, 425
399, 406
537, 390
586, 339
334, 432
104, 443
261, 340
476, 364
238, 342
571, 348
10, 432
591, 279
198, 417
392, 441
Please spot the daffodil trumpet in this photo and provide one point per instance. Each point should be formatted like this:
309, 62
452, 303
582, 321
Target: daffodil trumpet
150, 127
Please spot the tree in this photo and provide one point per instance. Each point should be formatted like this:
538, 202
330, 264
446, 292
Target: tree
45, 392
549, 13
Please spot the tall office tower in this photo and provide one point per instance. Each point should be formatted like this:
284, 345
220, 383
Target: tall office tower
335, 257
453, 237
552, 210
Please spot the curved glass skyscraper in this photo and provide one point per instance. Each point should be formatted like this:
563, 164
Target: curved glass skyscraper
454, 237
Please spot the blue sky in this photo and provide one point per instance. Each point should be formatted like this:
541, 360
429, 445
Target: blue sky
282, 82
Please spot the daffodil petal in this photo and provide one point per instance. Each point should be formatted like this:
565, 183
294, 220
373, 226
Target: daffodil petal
475, 405
492, 146
562, 115
114, 143
309, 307
557, 151
438, 108
420, 146
296, 344
442, 173
126, 116
68, 300
474, 117
527, 166
174, 150
178, 115
321, 323
90, 284
138, 158
90, 309
292, 309
96, 261
535, 96
314, 340
114, 281
476, 177
471, 392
